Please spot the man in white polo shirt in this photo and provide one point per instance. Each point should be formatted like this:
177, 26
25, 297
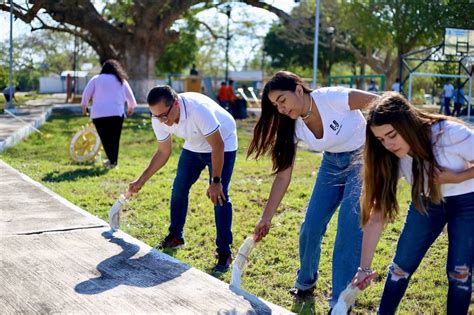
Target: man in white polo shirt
210, 140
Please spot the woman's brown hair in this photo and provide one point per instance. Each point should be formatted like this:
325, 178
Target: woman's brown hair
112, 66
381, 167
274, 132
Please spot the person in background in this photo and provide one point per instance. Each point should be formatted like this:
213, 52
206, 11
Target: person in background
372, 87
448, 92
230, 92
193, 70
108, 92
396, 85
6, 93
435, 155
223, 96
458, 101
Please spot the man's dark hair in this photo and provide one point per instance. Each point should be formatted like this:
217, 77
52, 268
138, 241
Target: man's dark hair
161, 93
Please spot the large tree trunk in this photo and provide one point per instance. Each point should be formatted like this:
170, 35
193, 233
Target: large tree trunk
140, 65
391, 73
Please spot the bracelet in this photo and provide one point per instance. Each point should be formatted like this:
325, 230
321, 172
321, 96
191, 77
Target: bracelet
365, 270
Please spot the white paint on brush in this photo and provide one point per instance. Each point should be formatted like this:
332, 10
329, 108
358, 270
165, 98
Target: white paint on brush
236, 275
346, 300
114, 212
241, 261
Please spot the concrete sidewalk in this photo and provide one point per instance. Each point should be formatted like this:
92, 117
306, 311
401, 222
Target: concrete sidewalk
57, 258
26, 117
15, 128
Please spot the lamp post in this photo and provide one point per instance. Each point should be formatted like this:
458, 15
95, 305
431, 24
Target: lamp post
10, 106
74, 65
228, 9
316, 42
330, 32
263, 59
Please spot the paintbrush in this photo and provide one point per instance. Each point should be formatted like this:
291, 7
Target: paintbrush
348, 297
114, 212
241, 260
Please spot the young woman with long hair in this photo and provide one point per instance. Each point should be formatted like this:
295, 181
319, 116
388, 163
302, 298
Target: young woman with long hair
329, 120
108, 92
434, 153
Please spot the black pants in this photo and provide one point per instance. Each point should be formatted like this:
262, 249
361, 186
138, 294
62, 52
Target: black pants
457, 109
110, 129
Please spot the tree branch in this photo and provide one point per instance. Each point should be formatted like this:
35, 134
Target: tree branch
26, 15
280, 13
213, 34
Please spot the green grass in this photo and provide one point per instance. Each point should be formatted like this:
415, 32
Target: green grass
273, 263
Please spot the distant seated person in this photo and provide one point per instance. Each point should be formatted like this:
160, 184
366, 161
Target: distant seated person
372, 87
396, 85
6, 93
193, 70
223, 96
230, 92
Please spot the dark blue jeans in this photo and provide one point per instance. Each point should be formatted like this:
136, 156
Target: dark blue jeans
418, 234
338, 184
190, 166
446, 106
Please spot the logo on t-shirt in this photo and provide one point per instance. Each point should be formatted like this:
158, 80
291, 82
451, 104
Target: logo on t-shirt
335, 126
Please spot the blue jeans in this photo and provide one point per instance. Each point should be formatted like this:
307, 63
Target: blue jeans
338, 183
418, 234
190, 166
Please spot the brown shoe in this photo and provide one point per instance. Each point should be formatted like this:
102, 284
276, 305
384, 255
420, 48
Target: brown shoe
171, 242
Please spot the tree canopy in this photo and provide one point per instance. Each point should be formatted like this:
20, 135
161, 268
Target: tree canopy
39, 54
136, 32
376, 33
139, 33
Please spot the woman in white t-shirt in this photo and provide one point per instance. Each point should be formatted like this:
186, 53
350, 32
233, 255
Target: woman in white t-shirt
435, 155
329, 120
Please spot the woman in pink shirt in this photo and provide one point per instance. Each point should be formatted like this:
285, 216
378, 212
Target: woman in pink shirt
109, 91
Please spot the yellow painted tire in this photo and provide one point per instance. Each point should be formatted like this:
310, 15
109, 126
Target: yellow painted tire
85, 144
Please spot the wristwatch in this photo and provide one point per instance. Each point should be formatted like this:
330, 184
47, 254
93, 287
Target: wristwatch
216, 179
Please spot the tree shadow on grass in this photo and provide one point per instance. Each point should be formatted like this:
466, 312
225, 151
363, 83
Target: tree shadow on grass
56, 176
122, 269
